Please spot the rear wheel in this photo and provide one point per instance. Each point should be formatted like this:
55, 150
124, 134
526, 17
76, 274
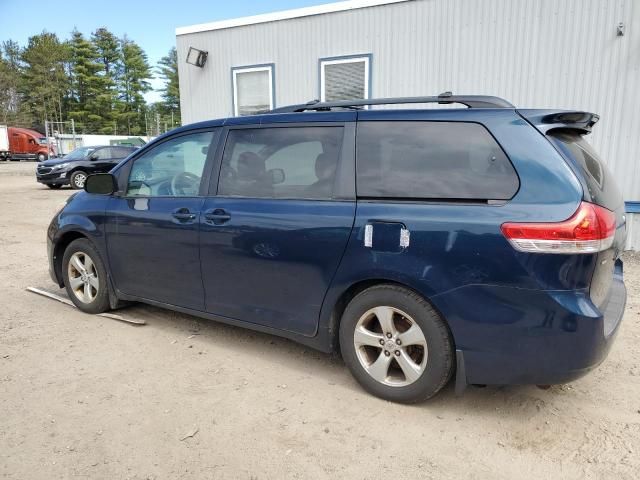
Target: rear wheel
85, 277
395, 344
77, 179
42, 157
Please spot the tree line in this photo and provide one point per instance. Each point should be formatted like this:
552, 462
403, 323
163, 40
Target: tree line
99, 82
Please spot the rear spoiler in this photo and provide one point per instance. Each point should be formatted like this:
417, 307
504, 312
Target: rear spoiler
546, 120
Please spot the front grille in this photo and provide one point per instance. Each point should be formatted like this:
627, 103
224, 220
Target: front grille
44, 170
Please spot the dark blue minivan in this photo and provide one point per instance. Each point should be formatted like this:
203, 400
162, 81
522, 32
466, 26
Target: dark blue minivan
481, 242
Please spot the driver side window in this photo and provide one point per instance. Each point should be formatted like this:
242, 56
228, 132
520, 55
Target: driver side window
172, 169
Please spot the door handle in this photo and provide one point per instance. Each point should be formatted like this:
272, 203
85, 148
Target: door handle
183, 215
217, 216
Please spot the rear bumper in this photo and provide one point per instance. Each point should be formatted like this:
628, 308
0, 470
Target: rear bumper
516, 336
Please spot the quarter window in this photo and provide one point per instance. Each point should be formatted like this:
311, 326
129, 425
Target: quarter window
297, 162
173, 168
432, 160
253, 90
344, 78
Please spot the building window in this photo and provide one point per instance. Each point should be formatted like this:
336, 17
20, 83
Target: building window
345, 78
253, 89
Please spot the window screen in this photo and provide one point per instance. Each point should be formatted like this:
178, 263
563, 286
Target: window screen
297, 162
345, 79
252, 90
439, 160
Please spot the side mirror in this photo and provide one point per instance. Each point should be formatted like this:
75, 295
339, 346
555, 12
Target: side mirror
93, 156
277, 176
101, 184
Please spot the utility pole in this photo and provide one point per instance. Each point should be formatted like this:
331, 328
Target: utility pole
158, 124
73, 132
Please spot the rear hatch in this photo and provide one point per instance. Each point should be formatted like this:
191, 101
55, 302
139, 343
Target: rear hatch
566, 131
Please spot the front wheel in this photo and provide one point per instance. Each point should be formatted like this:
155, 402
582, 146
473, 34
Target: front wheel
77, 180
42, 157
395, 344
85, 277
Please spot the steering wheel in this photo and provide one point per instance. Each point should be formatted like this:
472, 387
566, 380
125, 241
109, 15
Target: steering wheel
190, 181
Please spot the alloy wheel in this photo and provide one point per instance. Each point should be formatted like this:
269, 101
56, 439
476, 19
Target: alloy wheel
390, 346
83, 277
79, 179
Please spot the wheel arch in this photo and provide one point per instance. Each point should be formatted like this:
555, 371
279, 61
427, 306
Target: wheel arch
58, 251
356, 288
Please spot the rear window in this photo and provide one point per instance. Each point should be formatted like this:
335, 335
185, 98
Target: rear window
602, 187
432, 160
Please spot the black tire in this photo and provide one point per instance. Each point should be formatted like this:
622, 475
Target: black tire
77, 179
42, 157
100, 302
440, 352
54, 186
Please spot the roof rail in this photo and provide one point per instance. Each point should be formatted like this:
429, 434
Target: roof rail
471, 101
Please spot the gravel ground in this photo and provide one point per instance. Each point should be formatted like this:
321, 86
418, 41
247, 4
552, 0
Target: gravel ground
88, 397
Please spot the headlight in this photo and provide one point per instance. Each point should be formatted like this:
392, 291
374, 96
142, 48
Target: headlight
60, 165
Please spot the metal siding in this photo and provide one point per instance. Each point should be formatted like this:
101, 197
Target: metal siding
534, 53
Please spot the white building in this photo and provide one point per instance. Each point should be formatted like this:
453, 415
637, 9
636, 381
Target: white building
570, 54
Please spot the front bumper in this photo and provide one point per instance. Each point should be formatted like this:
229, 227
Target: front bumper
507, 336
52, 178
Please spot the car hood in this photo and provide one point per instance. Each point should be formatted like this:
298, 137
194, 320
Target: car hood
56, 161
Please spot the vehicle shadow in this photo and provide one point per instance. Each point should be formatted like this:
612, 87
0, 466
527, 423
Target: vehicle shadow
498, 401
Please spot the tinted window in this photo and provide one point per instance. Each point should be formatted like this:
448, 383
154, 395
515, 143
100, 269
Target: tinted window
103, 153
173, 168
439, 160
121, 152
298, 162
602, 187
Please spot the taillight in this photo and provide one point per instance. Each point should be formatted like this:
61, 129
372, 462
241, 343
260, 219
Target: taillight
591, 229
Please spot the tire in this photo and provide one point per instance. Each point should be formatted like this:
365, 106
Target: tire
90, 296
42, 157
428, 359
77, 179
54, 186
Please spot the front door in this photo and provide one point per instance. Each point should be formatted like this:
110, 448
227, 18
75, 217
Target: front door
153, 227
273, 237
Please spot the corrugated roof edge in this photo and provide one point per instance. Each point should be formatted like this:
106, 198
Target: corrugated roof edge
285, 15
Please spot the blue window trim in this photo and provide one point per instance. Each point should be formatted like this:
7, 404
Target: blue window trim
369, 56
245, 67
632, 207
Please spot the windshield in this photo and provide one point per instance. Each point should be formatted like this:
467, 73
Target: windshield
42, 141
79, 153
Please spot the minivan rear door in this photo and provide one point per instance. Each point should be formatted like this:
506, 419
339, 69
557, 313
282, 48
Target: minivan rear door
275, 226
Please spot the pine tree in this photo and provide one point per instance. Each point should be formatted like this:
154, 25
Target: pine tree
44, 80
133, 77
110, 60
168, 69
88, 86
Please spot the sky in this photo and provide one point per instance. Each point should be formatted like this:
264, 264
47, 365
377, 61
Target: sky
150, 23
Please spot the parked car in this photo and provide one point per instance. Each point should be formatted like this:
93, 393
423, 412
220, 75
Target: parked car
482, 242
24, 144
73, 168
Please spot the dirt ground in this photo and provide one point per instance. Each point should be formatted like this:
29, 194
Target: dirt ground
88, 397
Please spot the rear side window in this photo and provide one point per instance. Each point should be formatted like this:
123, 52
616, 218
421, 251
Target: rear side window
602, 187
296, 162
432, 160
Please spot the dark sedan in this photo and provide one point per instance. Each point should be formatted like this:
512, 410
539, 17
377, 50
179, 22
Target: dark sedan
73, 169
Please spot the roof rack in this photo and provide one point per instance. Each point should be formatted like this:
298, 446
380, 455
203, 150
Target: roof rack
471, 101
